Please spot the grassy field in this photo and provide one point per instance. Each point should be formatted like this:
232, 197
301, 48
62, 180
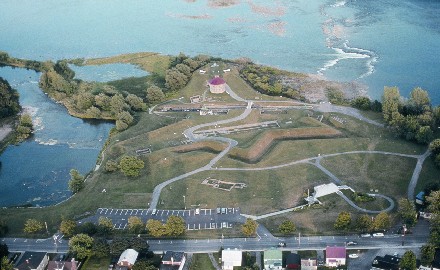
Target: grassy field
266, 191
94, 263
201, 261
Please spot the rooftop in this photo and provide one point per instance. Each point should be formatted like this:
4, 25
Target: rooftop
335, 252
217, 81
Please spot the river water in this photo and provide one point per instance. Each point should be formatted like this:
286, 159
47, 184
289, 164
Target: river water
378, 43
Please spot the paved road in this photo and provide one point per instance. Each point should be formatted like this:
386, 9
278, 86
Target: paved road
327, 107
415, 177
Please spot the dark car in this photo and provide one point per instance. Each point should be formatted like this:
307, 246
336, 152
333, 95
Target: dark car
351, 243
281, 244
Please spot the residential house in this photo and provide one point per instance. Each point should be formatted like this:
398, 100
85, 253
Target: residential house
273, 259
173, 261
309, 264
127, 259
32, 261
293, 261
335, 256
231, 258
62, 265
388, 262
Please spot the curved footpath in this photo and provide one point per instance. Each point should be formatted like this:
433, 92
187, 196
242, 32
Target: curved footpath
316, 161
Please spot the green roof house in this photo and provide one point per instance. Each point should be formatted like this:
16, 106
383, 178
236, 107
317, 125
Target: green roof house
273, 259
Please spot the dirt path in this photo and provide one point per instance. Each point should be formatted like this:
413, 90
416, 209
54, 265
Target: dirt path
4, 131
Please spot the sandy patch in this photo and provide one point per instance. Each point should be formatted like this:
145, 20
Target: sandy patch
193, 17
236, 20
4, 131
277, 28
267, 11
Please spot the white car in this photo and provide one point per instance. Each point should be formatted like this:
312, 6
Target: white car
353, 256
379, 234
197, 211
365, 235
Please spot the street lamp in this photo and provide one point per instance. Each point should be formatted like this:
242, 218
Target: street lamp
184, 201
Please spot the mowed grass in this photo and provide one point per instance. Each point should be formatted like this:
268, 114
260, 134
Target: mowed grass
429, 175
201, 261
266, 191
389, 175
94, 263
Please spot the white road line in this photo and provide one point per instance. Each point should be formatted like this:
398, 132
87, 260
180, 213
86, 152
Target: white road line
111, 211
106, 210
142, 212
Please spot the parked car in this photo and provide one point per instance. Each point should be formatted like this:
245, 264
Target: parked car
365, 235
197, 212
379, 234
154, 212
353, 256
281, 244
219, 210
223, 210
351, 243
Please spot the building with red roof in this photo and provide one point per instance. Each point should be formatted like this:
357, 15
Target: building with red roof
217, 85
335, 256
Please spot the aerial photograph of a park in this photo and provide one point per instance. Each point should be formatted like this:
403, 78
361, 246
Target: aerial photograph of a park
219, 134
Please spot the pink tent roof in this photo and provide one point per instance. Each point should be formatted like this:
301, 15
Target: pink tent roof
217, 81
335, 252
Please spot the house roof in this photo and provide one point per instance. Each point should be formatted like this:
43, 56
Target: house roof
231, 257
30, 260
386, 262
129, 255
273, 254
177, 256
335, 252
217, 81
293, 258
56, 265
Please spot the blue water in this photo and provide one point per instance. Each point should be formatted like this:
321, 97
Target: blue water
378, 43
37, 171
106, 73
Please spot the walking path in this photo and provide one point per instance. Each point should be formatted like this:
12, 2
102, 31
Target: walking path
316, 161
214, 262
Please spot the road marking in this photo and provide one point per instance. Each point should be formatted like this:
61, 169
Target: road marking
183, 213
168, 211
106, 210
111, 211
173, 212
142, 213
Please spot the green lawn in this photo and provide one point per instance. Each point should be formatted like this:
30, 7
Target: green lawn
94, 263
201, 261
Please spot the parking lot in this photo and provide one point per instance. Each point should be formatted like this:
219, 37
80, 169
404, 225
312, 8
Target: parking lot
195, 219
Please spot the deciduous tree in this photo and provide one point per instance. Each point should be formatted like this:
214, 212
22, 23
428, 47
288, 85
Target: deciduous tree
131, 165
155, 94
156, 228
175, 226
364, 223
433, 201
33, 226
76, 182
427, 253
100, 248
81, 245
68, 227
382, 221
407, 212
135, 224
287, 227
343, 221
249, 228
111, 165
5, 264
105, 226
408, 261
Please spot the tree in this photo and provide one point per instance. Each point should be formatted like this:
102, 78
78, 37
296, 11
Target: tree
32, 226
143, 265
156, 228
105, 226
62, 68
433, 201
287, 227
4, 250
364, 223
131, 165
407, 212
343, 221
117, 104
5, 264
140, 245
111, 165
100, 248
135, 102
155, 94
434, 146
419, 98
68, 227
3, 228
125, 117
135, 224
9, 104
249, 228
424, 135
175, 226
118, 245
184, 69
362, 103
121, 125
84, 101
174, 79
427, 253
390, 103
408, 261
76, 182
93, 112
103, 101
81, 245
88, 228
382, 221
